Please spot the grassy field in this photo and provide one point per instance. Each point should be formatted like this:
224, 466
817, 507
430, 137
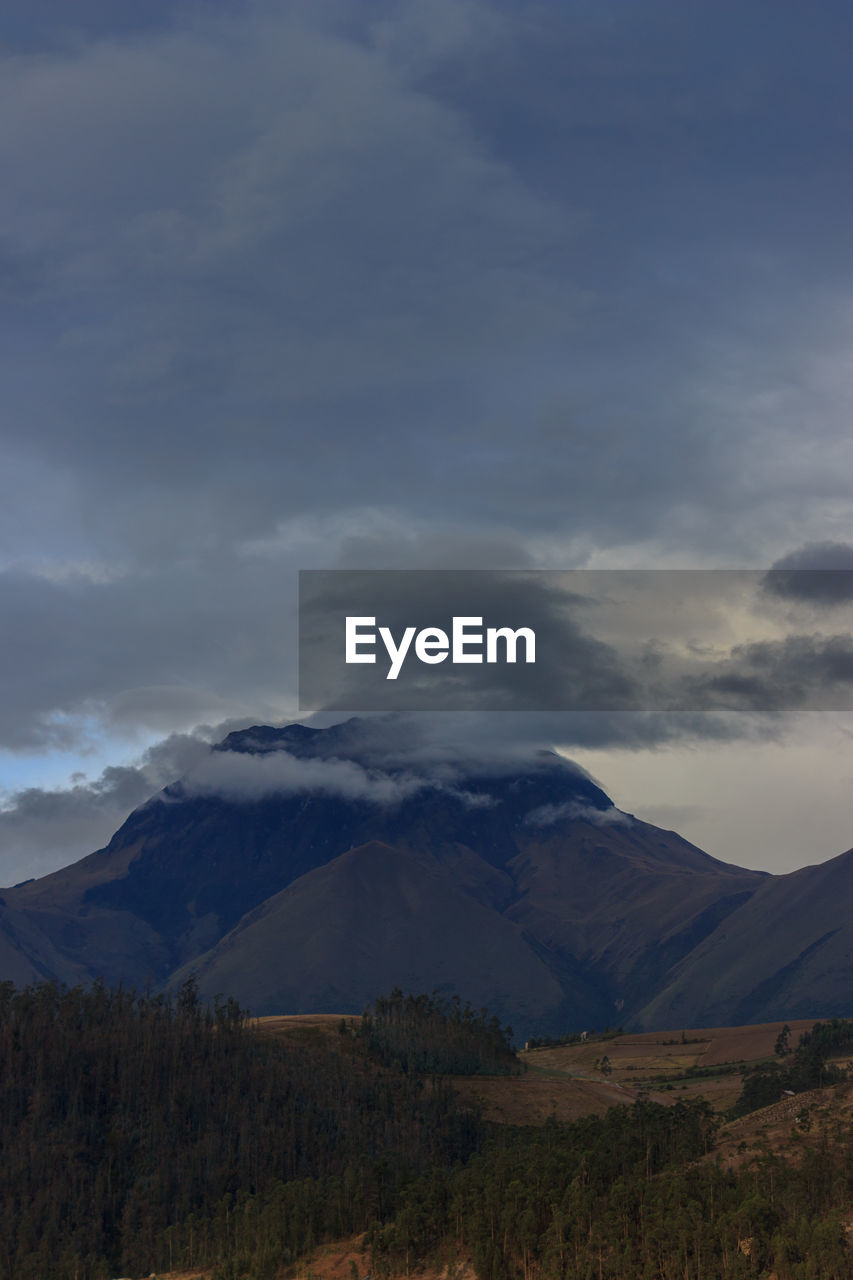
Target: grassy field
662, 1065
567, 1082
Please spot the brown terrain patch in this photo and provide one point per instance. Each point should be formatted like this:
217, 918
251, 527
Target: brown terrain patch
655, 1063
729, 1044
789, 1127
285, 1023
335, 1262
529, 1099
564, 1082
332, 1261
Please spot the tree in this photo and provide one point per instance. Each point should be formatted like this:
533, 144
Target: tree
783, 1042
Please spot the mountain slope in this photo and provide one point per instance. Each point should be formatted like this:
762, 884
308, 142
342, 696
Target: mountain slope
785, 953
186, 866
330, 941
629, 899
301, 868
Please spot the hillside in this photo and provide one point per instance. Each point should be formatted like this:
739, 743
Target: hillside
787, 953
140, 1134
306, 869
301, 868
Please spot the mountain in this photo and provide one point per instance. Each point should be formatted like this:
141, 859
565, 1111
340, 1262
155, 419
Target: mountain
787, 953
312, 869
343, 930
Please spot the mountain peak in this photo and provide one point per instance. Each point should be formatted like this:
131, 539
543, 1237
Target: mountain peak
384, 850
397, 745
260, 739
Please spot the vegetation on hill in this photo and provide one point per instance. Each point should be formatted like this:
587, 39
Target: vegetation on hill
572, 1037
809, 1067
429, 1034
140, 1133
625, 1196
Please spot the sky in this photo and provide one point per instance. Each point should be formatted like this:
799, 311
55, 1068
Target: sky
409, 284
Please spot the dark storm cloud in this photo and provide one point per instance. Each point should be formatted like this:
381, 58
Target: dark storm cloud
820, 573
445, 246
573, 669
807, 672
490, 740
258, 244
398, 284
649, 641
172, 647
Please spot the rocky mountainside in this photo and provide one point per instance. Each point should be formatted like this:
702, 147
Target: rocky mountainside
311, 869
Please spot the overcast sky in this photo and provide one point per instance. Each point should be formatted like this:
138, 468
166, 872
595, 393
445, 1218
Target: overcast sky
423, 283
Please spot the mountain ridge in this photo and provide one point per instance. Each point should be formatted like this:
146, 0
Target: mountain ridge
319, 866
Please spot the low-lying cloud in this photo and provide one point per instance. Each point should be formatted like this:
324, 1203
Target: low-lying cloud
575, 811
243, 776
43, 829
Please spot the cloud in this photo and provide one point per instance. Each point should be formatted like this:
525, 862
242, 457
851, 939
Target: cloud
493, 743
381, 760
263, 228
573, 811
239, 776
44, 829
401, 284
811, 672
251, 774
820, 573
573, 667
605, 641
251, 242
179, 645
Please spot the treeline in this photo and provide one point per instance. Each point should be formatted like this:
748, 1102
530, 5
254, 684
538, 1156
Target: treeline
435, 1035
626, 1196
809, 1067
140, 1134
573, 1037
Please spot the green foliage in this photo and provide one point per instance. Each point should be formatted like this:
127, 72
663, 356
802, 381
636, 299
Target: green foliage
760, 1089
432, 1035
782, 1047
626, 1196
139, 1134
142, 1134
809, 1068
574, 1037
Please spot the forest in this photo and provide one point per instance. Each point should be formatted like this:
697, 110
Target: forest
141, 1133
795, 1070
138, 1133
437, 1035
